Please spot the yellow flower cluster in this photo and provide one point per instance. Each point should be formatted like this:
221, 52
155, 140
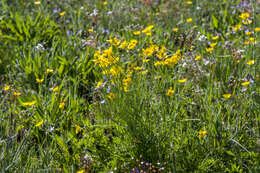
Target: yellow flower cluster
171, 61
150, 50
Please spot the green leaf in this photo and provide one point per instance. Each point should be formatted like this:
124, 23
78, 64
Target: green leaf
215, 21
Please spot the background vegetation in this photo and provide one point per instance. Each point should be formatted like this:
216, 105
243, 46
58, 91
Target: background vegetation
129, 86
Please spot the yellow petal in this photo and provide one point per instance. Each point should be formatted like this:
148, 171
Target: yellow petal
39, 123
226, 96
182, 80
245, 83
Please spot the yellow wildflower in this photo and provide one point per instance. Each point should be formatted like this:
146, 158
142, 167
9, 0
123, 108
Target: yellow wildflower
189, 2
247, 22
39, 123
248, 33
173, 59
257, 29
237, 27
138, 68
37, 2
170, 92
29, 103
244, 16
215, 37
62, 13
61, 105
132, 44
111, 96
251, 62
49, 70
182, 80
55, 89
137, 32
202, 133
189, 20
175, 29
197, 58
90, 30
245, 83
81, 171
148, 34
158, 63
99, 84
7, 87
210, 49
246, 42
226, 96
146, 60
148, 29
16, 93
162, 53
105, 3
123, 45
252, 40
39, 80
114, 42
77, 129
213, 45
144, 72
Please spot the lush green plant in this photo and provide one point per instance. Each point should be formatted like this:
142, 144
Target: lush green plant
129, 86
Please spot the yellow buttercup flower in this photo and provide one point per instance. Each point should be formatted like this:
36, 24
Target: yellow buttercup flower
99, 84
247, 22
39, 123
80, 171
37, 2
213, 45
244, 16
16, 93
62, 13
245, 83
7, 87
170, 92
132, 44
123, 45
49, 70
251, 62
148, 34
189, 20
105, 3
137, 32
61, 105
182, 80
202, 133
210, 49
29, 103
148, 29
138, 68
198, 58
39, 80
175, 29
111, 96
248, 33
226, 96
215, 37
77, 129
55, 89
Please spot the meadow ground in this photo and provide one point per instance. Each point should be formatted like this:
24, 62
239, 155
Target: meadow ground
129, 86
